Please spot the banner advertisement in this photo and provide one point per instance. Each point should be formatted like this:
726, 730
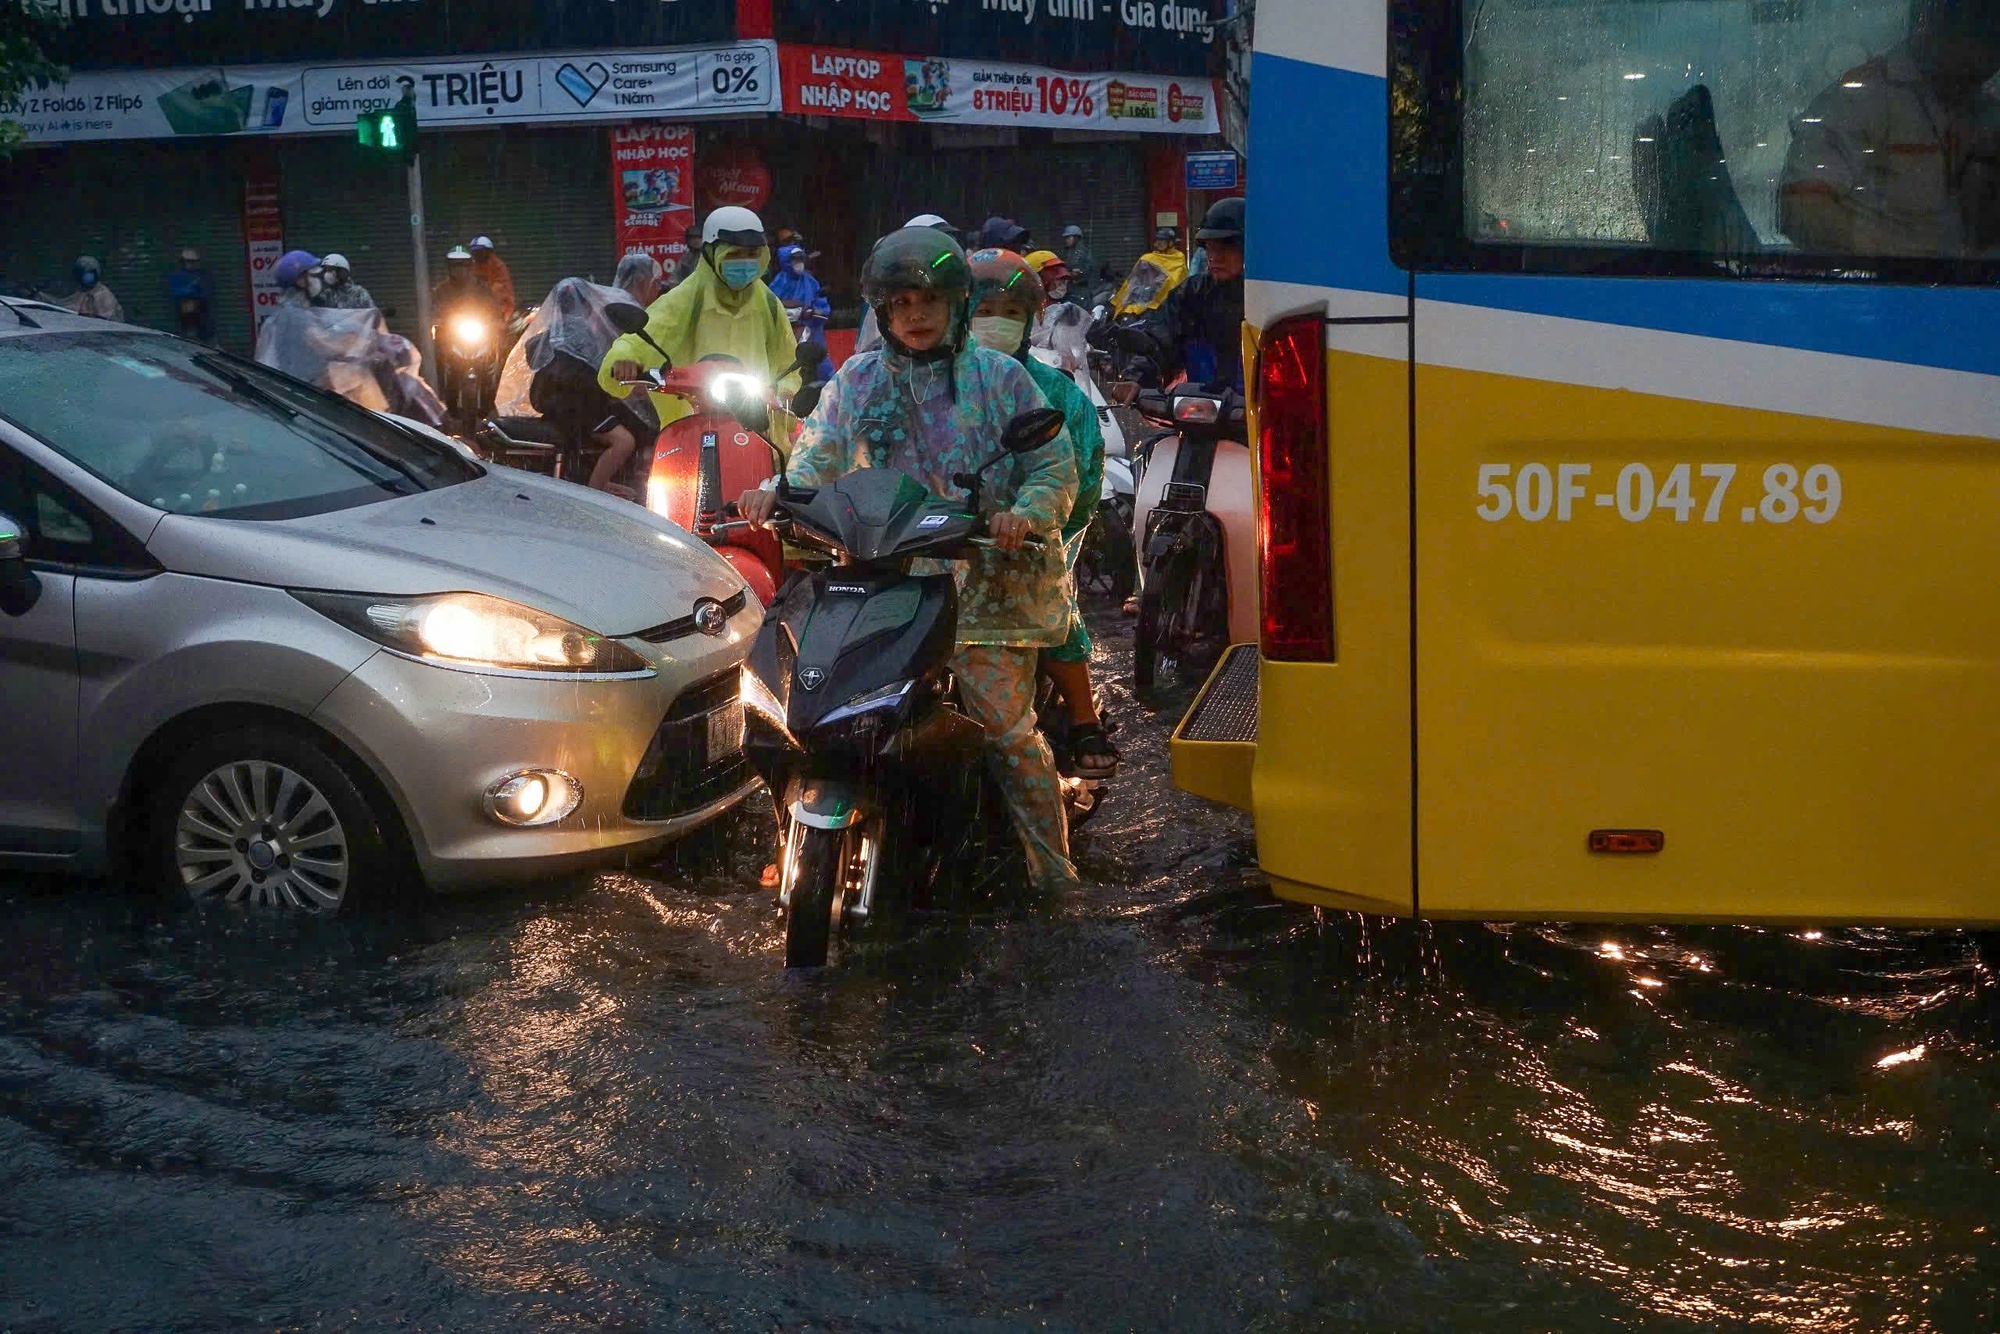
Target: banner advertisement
166, 34
264, 240
326, 99
652, 181
1151, 36
733, 174
825, 81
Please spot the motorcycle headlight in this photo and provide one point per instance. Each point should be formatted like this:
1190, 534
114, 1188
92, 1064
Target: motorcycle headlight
872, 705
737, 388
472, 631
470, 332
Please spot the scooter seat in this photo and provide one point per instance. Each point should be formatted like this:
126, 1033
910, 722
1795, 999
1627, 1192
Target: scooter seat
530, 431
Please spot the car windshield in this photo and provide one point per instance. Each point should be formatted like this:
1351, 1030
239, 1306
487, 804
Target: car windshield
186, 429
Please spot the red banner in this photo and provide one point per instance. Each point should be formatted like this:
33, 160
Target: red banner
827, 81
263, 240
652, 184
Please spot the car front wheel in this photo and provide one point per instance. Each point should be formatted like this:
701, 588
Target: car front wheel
267, 818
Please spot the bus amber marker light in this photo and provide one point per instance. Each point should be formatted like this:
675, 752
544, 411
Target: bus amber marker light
1294, 541
1628, 841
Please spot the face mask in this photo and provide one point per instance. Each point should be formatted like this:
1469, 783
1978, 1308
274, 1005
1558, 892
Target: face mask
87, 278
999, 333
1057, 291
314, 284
739, 273
799, 266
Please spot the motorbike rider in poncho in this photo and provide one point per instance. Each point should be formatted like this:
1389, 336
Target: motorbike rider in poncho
932, 403
797, 290
1007, 297
722, 308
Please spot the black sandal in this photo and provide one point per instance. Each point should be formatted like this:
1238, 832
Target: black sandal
1091, 754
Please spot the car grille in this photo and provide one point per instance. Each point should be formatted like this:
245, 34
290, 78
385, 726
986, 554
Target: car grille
677, 774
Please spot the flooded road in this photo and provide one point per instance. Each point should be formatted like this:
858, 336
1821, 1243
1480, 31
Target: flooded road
1168, 1103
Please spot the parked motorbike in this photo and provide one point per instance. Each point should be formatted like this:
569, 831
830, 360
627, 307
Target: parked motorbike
854, 723
1197, 553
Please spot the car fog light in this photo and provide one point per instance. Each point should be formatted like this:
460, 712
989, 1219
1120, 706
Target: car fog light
533, 797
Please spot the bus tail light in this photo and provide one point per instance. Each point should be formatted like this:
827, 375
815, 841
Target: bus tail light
1294, 538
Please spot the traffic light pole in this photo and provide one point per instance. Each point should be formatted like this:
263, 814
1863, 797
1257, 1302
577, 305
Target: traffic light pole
423, 266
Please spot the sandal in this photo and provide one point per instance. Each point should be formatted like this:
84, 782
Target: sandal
1091, 755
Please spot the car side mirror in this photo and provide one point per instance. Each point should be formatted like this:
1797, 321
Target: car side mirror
1031, 430
626, 317
20, 587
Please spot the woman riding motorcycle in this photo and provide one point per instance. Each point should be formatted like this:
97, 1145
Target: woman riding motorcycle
1062, 326
722, 308
932, 404
1007, 298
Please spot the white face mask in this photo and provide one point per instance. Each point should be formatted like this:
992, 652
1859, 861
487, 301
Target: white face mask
798, 266
315, 284
999, 333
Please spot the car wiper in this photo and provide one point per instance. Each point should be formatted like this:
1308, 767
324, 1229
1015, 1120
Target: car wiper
264, 394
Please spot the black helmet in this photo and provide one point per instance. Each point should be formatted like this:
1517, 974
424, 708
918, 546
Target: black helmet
1224, 221
918, 259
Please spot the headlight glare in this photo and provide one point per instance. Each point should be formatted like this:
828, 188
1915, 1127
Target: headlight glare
474, 630
469, 332
737, 387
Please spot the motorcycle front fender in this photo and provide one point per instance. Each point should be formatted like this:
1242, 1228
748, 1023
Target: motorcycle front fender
827, 803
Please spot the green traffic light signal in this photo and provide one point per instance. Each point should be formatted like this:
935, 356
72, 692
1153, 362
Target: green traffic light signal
392, 130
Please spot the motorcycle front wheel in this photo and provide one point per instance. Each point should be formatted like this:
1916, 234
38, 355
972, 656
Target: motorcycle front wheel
817, 872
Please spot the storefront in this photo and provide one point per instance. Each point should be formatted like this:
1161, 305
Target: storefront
168, 128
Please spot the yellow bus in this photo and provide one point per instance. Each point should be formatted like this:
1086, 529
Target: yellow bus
1627, 413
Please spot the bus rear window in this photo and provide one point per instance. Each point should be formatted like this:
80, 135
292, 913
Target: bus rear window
1843, 137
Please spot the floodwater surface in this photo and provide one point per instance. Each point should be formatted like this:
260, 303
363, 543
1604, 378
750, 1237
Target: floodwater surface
1168, 1103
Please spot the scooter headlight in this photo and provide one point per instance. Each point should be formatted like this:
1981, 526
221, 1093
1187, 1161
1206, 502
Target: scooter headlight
872, 706
469, 332
737, 389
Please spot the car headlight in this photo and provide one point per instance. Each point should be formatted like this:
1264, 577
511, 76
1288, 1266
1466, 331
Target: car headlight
470, 332
475, 631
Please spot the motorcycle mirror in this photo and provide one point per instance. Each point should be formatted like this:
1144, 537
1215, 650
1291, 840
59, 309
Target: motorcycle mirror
1031, 430
811, 353
626, 317
806, 399
1153, 403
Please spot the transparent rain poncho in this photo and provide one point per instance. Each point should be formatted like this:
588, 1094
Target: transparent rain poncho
350, 353
572, 319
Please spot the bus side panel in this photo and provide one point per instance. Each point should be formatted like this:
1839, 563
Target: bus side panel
1331, 782
1806, 709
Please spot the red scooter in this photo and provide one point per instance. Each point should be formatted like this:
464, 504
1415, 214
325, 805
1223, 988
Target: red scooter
703, 461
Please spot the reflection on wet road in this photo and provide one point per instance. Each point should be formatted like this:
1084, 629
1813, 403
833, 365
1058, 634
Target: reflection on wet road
1170, 1103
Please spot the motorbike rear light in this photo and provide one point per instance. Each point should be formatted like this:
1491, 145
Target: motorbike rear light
1294, 532
1192, 409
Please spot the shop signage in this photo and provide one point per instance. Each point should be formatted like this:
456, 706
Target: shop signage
166, 34
1211, 171
264, 242
306, 99
652, 179
826, 81
1151, 36
735, 174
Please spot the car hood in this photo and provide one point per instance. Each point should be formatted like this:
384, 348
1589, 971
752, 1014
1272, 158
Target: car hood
603, 563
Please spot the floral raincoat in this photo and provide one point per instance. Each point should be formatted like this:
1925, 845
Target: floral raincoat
929, 421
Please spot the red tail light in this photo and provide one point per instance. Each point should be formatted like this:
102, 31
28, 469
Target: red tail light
1294, 539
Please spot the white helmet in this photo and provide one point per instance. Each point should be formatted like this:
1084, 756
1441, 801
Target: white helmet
336, 262
928, 220
732, 225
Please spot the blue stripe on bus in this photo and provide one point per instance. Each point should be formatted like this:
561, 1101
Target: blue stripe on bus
1319, 215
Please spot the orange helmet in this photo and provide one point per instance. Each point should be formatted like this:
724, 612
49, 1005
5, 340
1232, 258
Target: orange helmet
997, 271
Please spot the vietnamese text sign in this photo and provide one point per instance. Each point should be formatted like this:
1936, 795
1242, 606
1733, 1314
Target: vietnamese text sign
1146, 36
292, 99
1211, 171
264, 243
652, 181
826, 81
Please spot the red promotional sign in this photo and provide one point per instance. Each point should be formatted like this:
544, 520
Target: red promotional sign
828, 81
652, 184
735, 174
263, 241
825, 81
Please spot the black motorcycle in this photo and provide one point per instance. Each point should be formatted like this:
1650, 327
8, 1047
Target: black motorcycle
878, 774
1184, 574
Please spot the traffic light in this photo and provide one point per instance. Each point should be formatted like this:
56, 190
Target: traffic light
391, 130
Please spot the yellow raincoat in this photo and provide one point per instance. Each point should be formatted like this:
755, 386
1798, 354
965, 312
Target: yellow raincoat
1152, 280
701, 317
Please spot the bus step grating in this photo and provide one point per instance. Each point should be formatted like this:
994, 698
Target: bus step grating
1227, 709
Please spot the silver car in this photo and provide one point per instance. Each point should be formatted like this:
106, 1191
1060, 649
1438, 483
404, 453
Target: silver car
259, 644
